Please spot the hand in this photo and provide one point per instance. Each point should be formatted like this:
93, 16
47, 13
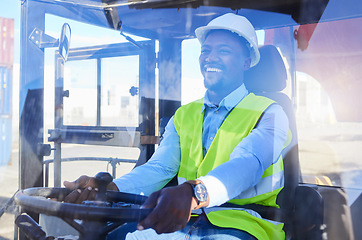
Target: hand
172, 209
84, 188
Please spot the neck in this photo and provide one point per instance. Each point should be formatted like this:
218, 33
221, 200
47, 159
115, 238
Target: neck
215, 96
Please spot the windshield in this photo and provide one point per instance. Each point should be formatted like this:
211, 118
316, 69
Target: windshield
132, 64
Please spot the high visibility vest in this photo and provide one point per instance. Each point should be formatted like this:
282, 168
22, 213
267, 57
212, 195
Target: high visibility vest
237, 125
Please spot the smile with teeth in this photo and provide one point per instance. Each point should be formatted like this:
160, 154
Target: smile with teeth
209, 69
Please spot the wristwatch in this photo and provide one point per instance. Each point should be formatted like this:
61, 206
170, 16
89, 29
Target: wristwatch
199, 192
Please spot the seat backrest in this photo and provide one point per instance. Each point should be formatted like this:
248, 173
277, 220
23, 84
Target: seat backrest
268, 78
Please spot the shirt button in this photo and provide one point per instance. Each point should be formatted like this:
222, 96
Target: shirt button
211, 138
216, 111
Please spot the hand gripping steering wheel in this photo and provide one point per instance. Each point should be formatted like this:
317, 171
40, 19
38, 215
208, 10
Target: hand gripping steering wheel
98, 217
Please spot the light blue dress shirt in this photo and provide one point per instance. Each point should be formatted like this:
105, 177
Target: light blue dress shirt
247, 163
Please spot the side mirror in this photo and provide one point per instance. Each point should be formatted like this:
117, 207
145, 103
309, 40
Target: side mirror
64, 41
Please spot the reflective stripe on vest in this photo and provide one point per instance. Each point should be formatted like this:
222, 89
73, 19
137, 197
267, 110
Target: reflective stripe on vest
238, 124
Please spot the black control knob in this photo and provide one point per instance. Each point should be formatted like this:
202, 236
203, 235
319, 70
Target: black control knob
103, 179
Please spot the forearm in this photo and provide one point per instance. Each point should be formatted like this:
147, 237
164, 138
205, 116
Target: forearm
231, 178
144, 179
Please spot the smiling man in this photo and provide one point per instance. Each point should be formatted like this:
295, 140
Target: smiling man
223, 63
225, 147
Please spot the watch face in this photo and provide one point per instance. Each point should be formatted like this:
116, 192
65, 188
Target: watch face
201, 192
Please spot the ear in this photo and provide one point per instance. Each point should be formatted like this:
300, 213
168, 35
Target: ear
247, 63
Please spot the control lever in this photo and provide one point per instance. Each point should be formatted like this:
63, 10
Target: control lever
102, 179
30, 228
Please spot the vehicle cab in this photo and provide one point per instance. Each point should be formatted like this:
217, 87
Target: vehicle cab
99, 81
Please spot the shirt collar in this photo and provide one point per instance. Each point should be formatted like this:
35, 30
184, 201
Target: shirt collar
230, 101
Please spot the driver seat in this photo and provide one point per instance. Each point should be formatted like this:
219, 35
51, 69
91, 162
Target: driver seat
268, 78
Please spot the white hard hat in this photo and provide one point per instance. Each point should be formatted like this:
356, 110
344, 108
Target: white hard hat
236, 24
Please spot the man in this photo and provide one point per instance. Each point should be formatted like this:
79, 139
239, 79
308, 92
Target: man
225, 147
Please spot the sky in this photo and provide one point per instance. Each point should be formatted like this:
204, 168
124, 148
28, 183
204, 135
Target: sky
11, 9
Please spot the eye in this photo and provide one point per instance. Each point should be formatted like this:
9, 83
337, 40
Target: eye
225, 51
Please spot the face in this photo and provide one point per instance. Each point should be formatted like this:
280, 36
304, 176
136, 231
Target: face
223, 60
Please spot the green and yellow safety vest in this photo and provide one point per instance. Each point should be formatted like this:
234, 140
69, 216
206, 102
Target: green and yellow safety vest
237, 125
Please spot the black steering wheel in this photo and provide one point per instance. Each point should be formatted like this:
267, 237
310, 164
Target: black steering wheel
109, 210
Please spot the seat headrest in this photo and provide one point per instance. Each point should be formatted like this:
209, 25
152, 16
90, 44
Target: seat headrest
269, 75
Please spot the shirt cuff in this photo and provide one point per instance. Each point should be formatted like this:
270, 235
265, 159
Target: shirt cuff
216, 190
